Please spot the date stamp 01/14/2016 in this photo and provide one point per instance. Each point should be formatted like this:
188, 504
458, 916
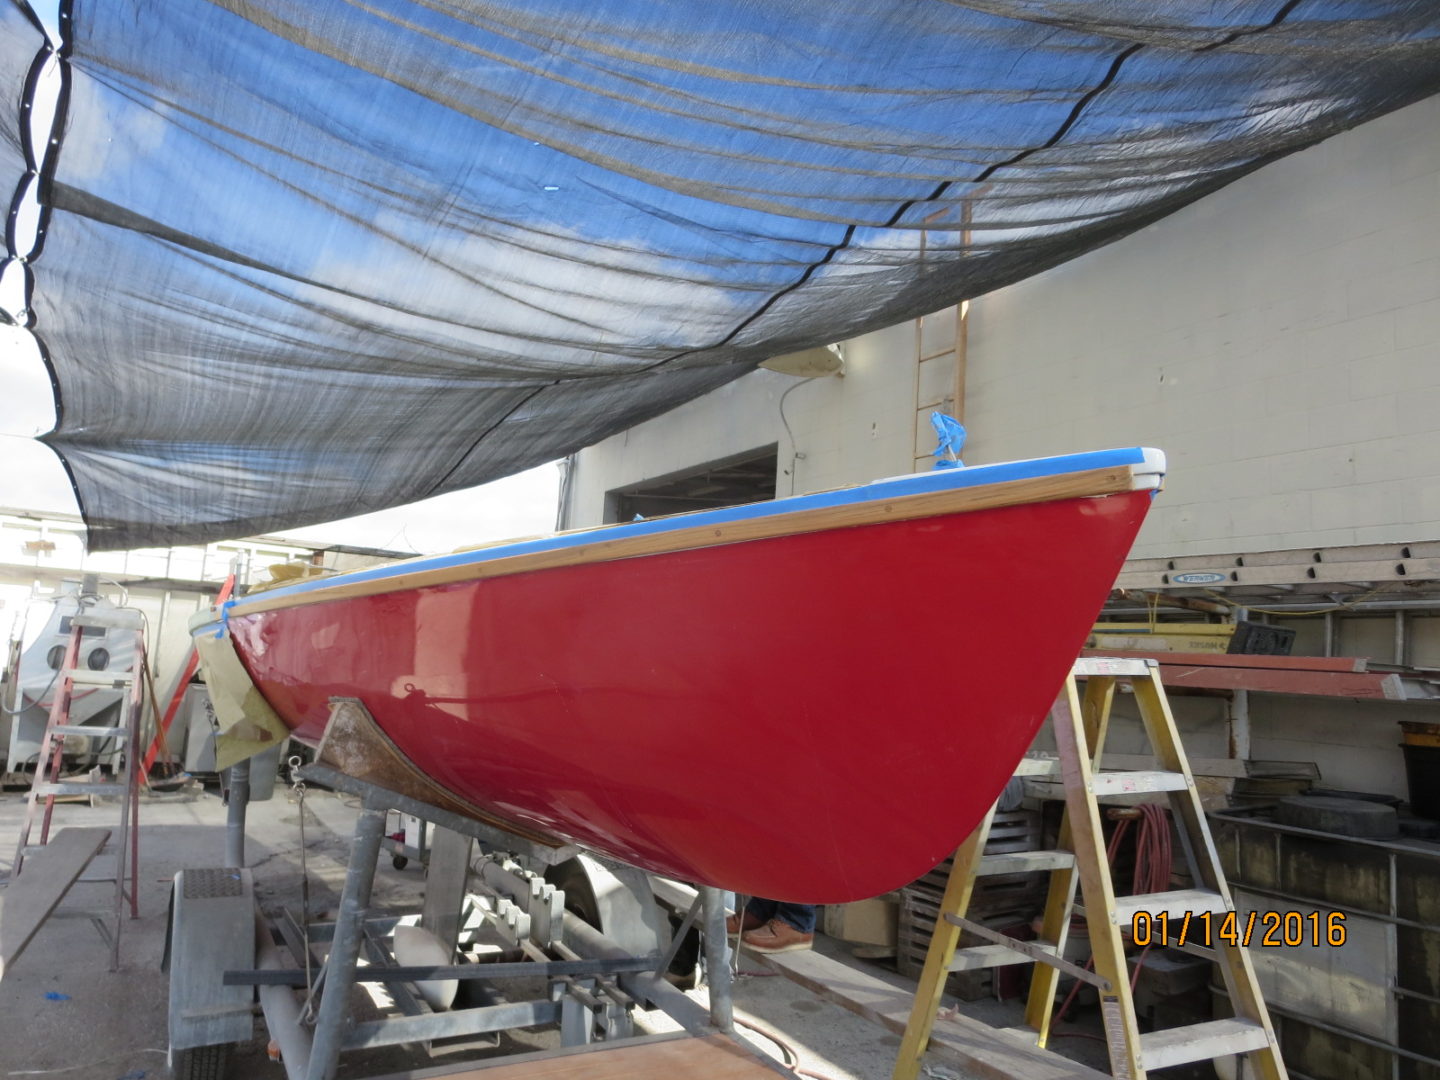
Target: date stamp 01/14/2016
1267, 929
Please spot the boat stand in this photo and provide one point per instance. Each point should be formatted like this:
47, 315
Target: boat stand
594, 981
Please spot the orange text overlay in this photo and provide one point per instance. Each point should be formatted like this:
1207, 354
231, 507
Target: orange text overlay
1266, 929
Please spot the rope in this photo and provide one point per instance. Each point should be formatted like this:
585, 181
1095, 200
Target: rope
297, 791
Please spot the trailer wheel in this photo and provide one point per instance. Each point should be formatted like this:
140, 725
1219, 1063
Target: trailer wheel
399, 862
200, 1062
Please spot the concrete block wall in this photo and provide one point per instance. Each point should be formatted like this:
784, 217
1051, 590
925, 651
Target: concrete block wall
1280, 340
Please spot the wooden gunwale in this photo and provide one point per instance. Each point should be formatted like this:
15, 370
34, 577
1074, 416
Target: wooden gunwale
1111, 480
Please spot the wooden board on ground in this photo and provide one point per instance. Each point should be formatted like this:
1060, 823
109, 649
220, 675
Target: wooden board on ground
27, 901
981, 1049
659, 1057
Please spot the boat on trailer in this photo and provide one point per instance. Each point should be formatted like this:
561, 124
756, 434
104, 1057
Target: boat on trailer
813, 699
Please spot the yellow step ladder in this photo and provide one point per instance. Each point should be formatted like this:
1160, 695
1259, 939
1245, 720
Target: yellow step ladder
1079, 726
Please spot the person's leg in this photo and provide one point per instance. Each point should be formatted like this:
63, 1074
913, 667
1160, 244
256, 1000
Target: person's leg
781, 933
750, 914
761, 909
800, 916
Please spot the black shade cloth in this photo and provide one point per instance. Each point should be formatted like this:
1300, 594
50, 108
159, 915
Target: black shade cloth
307, 260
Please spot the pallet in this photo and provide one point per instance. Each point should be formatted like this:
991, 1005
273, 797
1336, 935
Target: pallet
1002, 903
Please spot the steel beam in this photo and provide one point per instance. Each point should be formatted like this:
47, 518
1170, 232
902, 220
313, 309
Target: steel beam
345, 949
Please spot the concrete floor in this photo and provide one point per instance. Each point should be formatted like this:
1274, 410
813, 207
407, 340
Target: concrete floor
63, 1014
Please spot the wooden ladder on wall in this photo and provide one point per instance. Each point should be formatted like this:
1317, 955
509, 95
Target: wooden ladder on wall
1080, 725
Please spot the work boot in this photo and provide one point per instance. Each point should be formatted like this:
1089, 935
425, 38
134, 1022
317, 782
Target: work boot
734, 925
776, 936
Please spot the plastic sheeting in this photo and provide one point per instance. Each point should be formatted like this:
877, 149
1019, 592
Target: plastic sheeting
310, 260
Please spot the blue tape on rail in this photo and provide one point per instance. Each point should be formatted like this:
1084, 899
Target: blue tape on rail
224, 617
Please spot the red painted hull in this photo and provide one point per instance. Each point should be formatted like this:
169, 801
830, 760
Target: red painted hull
816, 718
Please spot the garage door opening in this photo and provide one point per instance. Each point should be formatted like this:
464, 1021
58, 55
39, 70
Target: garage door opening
732, 481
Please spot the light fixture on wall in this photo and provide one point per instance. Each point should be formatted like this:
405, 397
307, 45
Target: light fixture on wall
808, 363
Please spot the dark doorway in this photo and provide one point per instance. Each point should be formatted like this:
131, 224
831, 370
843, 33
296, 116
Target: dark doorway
744, 478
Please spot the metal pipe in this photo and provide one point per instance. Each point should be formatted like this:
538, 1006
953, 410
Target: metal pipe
345, 949
395, 1030
717, 959
589, 942
237, 803
1400, 638
281, 1009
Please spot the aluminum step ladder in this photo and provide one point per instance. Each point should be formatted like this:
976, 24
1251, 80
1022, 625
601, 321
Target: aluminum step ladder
1080, 726
47, 783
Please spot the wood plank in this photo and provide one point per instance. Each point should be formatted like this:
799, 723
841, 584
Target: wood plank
1316, 676
1368, 685
1240, 660
662, 1057
47, 875
987, 1051
1087, 484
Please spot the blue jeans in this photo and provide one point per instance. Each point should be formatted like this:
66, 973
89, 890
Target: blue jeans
799, 916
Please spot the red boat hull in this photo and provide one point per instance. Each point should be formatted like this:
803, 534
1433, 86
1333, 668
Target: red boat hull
815, 718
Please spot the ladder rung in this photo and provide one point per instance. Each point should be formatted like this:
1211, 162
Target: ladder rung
115, 680
1201, 1042
78, 787
1175, 905
91, 732
1024, 862
1038, 767
992, 956
1130, 783
1112, 665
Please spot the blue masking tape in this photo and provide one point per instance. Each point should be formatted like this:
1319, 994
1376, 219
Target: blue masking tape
224, 617
916, 484
951, 434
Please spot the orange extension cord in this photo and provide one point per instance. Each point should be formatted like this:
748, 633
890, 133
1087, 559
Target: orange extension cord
1153, 863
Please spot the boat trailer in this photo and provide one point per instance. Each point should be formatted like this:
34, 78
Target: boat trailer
222, 951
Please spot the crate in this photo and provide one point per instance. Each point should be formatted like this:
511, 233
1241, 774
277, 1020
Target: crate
1005, 903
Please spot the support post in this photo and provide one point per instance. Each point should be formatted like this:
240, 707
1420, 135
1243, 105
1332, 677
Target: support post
1240, 725
445, 881
717, 960
345, 948
235, 818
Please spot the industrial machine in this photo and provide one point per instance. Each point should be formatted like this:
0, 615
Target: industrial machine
37, 673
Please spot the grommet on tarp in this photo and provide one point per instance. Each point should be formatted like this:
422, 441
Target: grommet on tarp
224, 618
951, 434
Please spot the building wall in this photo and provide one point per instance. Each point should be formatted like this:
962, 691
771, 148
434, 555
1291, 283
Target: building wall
841, 430
43, 555
1280, 340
